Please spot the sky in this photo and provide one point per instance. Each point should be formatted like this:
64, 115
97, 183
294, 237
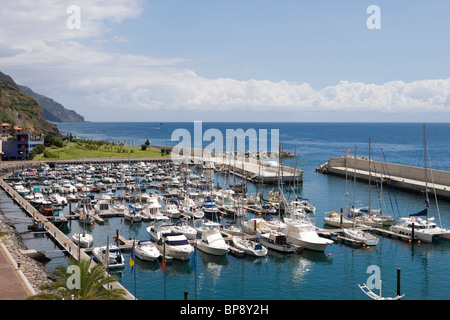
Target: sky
234, 60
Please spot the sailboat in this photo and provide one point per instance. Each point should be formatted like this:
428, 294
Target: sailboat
418, 228
357, 234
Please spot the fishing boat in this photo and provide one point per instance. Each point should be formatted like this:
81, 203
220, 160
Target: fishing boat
46, 208
175, 245
250, 247
303, 233
58, 218
212, 242
276, 241
146, 250
109, 256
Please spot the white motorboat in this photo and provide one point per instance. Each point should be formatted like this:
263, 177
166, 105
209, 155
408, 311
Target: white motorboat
209, 207
132, 215
38, 198
111, 259
84, 240
276, 241
151, 210
156, 230
58, 199
335, 220
232, 229
255, 226
175, 245
183, 227
360, 235
250, 247
207, 225
146, 250
303, 233
171, 211
103, 206
213, 243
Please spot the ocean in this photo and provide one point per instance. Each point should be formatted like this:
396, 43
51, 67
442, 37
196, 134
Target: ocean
331, 275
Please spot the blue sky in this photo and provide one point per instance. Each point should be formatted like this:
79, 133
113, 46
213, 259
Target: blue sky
134, 60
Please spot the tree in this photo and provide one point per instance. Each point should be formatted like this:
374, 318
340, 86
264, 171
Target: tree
147, 142
93, 284
144, 147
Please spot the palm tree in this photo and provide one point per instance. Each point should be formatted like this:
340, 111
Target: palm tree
93, 284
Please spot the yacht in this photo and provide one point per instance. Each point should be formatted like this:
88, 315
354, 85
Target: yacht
84, 240
250, 247
146, 250
111, 259
213, 243
303, 233
209, 207
132, 215
156, 230
175, 245
183, 227
171, 210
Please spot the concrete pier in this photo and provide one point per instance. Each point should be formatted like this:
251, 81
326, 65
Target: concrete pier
401, 176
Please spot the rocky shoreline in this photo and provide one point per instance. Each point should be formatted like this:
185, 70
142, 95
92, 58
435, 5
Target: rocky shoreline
34, 271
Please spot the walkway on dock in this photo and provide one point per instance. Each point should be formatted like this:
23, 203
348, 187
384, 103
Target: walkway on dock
13, 283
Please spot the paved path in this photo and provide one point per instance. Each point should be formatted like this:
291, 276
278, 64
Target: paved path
11, 283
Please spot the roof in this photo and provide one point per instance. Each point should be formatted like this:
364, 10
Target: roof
17, 128
5, 124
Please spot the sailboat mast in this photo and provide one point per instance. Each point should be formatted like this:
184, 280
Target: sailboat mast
427, 201
370, 175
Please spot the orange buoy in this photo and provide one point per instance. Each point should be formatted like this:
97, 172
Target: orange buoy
368, 248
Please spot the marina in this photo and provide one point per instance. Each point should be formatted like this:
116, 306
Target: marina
178, 275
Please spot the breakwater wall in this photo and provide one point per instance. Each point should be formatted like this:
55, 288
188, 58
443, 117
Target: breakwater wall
401, 176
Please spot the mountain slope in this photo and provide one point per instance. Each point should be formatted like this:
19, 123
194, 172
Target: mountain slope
53, 111
18, 108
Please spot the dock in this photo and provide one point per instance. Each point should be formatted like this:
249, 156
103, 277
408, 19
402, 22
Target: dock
400, 176
57, 235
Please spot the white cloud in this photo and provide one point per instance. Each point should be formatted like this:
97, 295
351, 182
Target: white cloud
40, 51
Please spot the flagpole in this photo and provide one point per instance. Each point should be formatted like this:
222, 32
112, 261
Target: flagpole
134, 270
195, 270
164, 271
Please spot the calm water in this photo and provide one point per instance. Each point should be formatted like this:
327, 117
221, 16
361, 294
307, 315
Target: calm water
310, 275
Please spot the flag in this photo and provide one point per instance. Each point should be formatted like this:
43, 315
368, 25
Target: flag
132, 257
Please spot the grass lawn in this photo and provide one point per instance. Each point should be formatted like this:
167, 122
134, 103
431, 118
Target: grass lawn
72, 151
